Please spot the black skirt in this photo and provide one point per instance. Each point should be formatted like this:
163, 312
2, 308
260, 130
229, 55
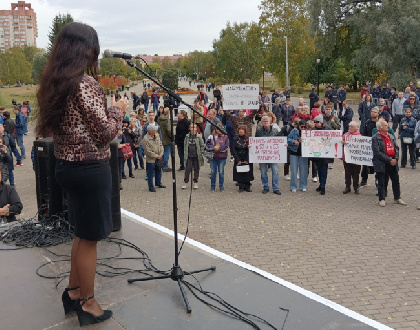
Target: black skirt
88, 186
243, 177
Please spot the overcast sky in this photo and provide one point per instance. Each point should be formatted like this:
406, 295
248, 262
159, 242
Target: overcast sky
148, 27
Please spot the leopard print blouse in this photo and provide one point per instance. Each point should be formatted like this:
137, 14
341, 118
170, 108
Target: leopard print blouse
88, 126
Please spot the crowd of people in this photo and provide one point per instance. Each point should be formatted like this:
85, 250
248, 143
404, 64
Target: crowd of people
197, 140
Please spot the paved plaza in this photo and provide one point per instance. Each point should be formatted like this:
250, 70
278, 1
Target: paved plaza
343, 247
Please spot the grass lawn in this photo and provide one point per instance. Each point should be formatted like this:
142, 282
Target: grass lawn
24, 93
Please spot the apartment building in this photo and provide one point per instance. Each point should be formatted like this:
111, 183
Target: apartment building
18, 26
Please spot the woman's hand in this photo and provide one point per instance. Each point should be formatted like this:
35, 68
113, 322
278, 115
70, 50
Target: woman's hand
122, 103
296, 142
343, 142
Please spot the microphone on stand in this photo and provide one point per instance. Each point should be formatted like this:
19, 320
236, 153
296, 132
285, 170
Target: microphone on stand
110, 54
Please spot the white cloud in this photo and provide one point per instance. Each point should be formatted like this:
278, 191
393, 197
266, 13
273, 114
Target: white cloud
163, 27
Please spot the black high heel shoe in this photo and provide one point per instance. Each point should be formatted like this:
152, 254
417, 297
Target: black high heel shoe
86, 318
68, 303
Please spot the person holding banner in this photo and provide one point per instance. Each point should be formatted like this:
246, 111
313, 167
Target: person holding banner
242, 170
322, 163
385, 161
297, 162
351, 171
268, 130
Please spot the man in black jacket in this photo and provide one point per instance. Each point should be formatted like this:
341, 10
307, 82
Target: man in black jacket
385, 161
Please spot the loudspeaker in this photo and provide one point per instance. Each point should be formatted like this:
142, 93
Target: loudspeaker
49, 194
51, 198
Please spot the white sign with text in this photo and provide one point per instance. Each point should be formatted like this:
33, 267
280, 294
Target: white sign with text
358, 150
244, 96
272, 149
322, 144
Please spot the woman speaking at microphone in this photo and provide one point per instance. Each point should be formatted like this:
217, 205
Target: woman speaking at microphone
73, 108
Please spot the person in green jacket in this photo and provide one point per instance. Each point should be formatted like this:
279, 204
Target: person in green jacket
193, 151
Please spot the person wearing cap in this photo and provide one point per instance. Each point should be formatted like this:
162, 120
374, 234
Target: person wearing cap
297, 162
321, 163
313, 98
154, 150
385, 161
382, 109
415, 108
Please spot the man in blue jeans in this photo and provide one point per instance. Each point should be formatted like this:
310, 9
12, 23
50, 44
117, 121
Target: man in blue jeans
264, 131
20, 126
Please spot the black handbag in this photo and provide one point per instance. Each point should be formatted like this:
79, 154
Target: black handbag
159, 163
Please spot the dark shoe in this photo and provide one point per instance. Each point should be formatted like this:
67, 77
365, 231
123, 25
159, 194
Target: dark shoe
347, 190
322, 191
68, 303
136, 167
265, 191
152, 190
131, 175
86, 318
241, 190
161, 186
247, 189
402, 166
181, 168
277, 192
318, 189
237, 184
123, 176
413, 167
363, 183
356, 191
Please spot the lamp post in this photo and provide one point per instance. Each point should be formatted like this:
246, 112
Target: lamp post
263, 76
317, 75
224, 76
287, 66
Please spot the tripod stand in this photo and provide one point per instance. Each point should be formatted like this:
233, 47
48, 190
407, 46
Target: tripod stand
177, 274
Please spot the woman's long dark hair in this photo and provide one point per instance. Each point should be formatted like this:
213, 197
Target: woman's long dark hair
75, 52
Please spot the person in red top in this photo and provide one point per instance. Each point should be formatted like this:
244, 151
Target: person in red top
316, 110
385, 161
302, 113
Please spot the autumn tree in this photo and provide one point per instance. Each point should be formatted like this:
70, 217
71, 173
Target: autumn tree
14, 67
280, 19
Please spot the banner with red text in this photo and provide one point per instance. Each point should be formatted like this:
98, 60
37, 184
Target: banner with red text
268, 149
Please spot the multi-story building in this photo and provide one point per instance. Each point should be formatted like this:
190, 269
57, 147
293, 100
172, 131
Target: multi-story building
18, 26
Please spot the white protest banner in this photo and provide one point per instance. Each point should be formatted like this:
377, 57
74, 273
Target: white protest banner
268, 149
322, 144
358, 150
236, 97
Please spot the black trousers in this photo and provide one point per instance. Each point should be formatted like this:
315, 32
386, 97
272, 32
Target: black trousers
396, 121
411, 150
192, 164
391, 172
351, 172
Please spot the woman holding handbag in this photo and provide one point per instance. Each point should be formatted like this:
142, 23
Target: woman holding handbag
406, 129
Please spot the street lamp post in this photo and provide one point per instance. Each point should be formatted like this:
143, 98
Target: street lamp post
317, 75
263, 76
287, 66
224, 76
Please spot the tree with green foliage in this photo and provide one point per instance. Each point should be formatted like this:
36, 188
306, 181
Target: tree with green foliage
14, 67
58, 22
38, 64
280, 19
378, 36
112, 67
238, 53
197, 63
170, 78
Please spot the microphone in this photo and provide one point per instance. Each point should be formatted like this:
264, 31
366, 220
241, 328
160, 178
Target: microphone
110, 54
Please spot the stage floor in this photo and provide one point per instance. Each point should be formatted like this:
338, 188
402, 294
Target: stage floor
30, 302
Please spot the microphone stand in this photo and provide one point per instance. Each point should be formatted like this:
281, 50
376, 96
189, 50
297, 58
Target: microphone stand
177, 274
